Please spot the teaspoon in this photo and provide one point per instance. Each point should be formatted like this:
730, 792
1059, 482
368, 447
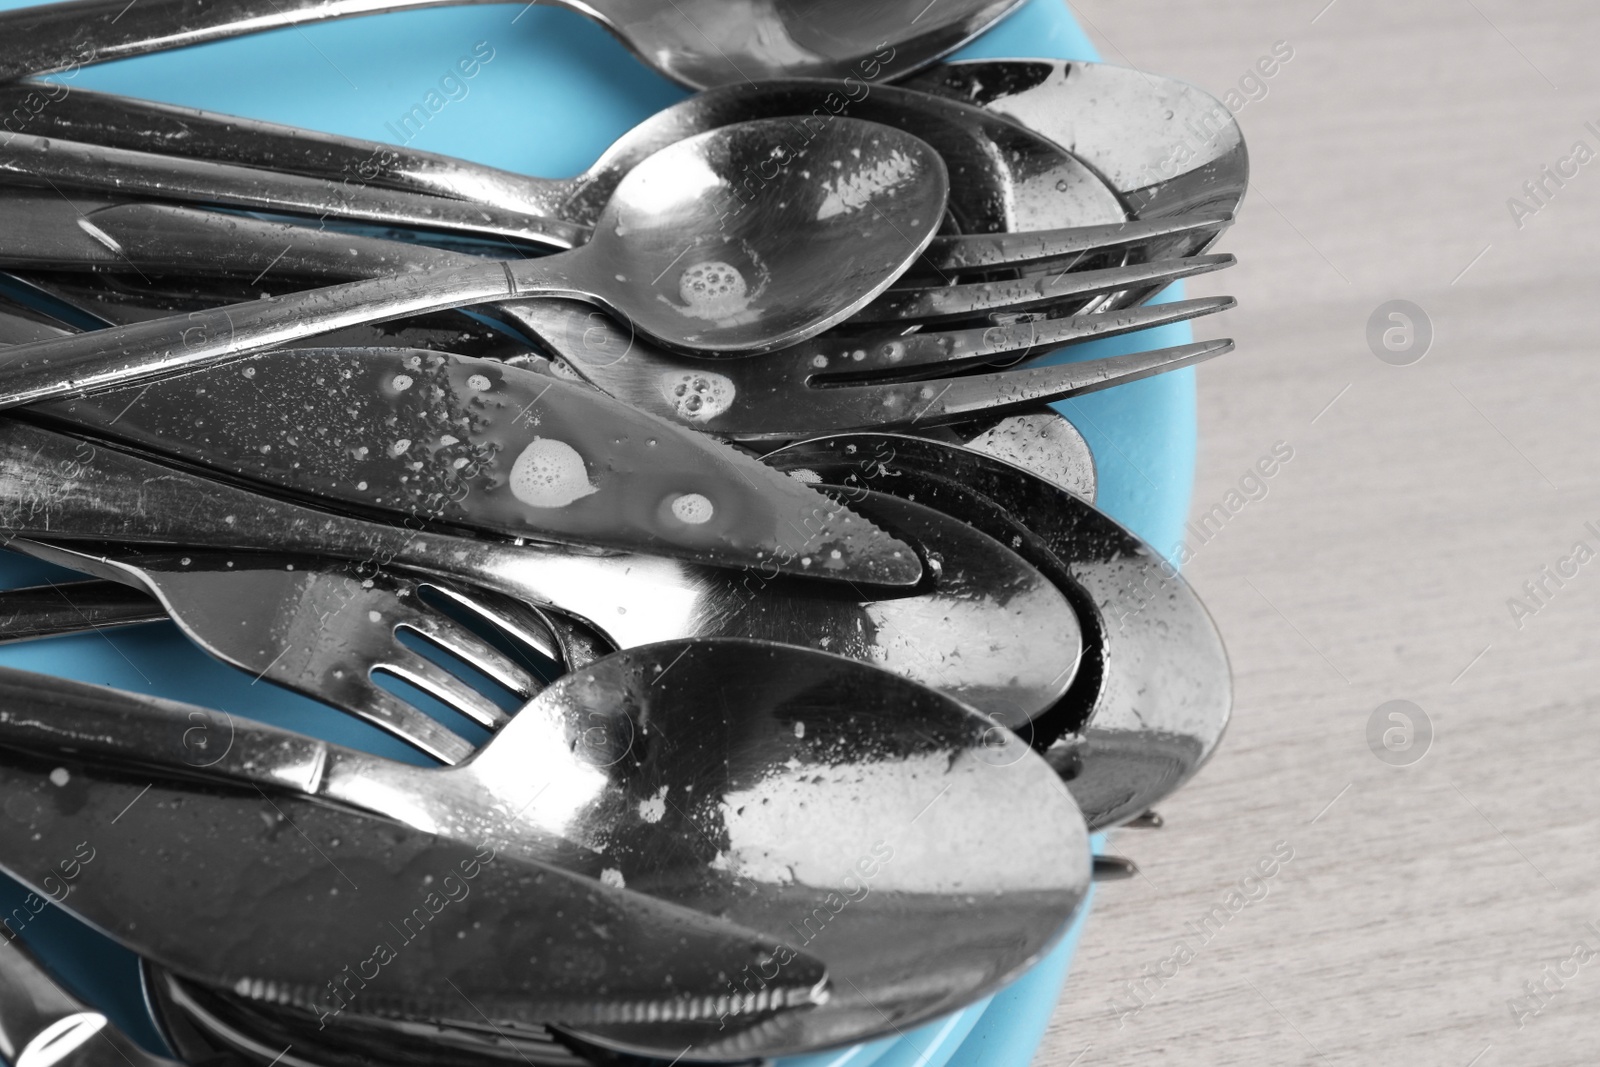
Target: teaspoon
1002, 173
924, 855
1151, 699
691, 249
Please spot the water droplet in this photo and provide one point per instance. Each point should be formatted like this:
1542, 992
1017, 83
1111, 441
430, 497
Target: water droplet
478, 382
401, 382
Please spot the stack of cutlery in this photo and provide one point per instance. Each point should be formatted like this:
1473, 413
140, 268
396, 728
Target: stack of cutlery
698, 524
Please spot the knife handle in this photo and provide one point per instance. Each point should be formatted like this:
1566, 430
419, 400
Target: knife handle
72, 607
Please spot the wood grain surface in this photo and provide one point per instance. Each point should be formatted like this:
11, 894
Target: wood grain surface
1435, 913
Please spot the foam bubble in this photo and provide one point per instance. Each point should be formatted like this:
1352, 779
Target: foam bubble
699, 396
550, 474
693, 508
713, 290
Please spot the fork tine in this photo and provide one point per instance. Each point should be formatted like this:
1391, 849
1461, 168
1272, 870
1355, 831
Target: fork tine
942, 400
931, 303
428, 676
484, 657
946, 350
367, 700
505, 614
992, 251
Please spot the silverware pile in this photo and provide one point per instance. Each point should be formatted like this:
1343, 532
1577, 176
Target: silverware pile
751, 608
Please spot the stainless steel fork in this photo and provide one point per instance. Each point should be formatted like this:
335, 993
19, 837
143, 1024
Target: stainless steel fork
325, 629
858, 379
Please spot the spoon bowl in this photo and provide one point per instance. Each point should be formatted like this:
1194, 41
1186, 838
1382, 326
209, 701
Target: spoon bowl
1152, 697
748, 236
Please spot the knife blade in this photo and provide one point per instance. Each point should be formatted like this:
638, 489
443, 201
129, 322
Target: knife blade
331, 911
434, 437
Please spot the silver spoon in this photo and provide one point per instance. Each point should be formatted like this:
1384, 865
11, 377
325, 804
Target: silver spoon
998, 167
697, 42
1150, 702
1166, 147
690, 249
924, 856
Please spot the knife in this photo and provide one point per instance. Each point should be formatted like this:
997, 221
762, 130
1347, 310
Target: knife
432, 437
314, 906
58, 487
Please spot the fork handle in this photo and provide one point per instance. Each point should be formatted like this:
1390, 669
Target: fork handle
71, 608
47, 38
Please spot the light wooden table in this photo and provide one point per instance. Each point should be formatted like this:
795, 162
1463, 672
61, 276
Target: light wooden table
1382, 562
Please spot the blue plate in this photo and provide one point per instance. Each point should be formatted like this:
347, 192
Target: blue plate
551, 91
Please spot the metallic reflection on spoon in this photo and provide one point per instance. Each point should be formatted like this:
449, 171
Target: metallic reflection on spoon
1153, 695
924, 855
1000, 172
1165, 146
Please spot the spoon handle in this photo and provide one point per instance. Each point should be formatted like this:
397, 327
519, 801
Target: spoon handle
65, 166
41, 1022
103, 359
53, 37
115, 121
